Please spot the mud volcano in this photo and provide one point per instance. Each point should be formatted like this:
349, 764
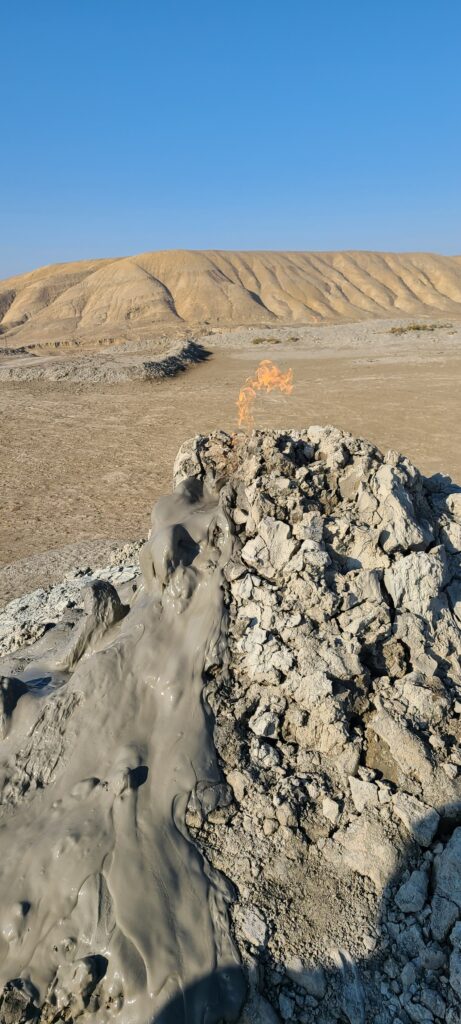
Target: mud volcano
231, 791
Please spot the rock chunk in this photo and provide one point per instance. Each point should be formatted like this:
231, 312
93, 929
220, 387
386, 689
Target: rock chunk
421, 821
364, 794
366, 849
411, 896
446, 900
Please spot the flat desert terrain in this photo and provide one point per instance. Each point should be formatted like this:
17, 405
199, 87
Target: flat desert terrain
82, 463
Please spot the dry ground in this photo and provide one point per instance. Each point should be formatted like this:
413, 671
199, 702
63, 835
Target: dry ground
87, 462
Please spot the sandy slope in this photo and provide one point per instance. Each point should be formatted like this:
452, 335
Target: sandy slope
104, 301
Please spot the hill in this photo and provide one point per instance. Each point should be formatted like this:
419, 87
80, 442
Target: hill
114, 300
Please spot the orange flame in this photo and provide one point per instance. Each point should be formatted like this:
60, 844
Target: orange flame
268, 377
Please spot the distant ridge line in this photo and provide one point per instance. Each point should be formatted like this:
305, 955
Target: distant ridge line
123, 298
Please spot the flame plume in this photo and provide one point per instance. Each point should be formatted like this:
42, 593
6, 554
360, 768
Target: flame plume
268, 377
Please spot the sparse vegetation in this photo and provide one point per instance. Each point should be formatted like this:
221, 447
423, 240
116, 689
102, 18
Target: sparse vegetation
274, 341
417, 327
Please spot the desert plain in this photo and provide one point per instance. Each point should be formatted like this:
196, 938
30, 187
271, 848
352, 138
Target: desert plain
89, 436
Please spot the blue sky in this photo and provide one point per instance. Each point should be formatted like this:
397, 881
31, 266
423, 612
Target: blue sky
131, 125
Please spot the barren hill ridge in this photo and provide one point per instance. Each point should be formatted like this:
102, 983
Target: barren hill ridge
112, 300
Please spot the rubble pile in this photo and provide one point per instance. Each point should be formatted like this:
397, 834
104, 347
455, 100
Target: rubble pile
337, 723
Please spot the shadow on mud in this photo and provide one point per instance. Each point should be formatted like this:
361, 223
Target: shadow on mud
205, 1002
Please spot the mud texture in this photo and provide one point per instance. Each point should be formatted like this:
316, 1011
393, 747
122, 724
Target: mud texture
106, 905
252, 755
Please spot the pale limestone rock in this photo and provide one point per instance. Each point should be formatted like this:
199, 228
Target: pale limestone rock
415, 582
312, 689
407, 751
330, 810
400, 529
411, 896
311, 979
265, 723
364, 794
279, 542
366, 849
446, 900
454, 594
421, 821
253, 925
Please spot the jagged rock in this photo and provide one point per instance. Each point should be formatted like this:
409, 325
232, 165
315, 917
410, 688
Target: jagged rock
365, 848
312, 689
455, 972
416, 581
364, 794
287, 1006
418, 1013
25, 619
406, 749
411, 896
265, 723
455, 936
311, 979
253, 926
420, 820
446, 900
352, 994
431, 999
331, 810
258, 1011
432, 958
17, 1004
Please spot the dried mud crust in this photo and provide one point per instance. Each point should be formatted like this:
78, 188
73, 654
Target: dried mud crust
337, 723
25, 619
108, 367
336, 713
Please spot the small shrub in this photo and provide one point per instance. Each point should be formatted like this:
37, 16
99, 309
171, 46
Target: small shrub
417, 327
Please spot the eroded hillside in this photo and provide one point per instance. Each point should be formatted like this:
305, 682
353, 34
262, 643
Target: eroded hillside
105, 301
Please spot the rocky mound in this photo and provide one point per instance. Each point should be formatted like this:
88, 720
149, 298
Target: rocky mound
252, 757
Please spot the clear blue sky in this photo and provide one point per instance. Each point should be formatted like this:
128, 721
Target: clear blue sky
130, 125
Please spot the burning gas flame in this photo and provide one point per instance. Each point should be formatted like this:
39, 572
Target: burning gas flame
268, 377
